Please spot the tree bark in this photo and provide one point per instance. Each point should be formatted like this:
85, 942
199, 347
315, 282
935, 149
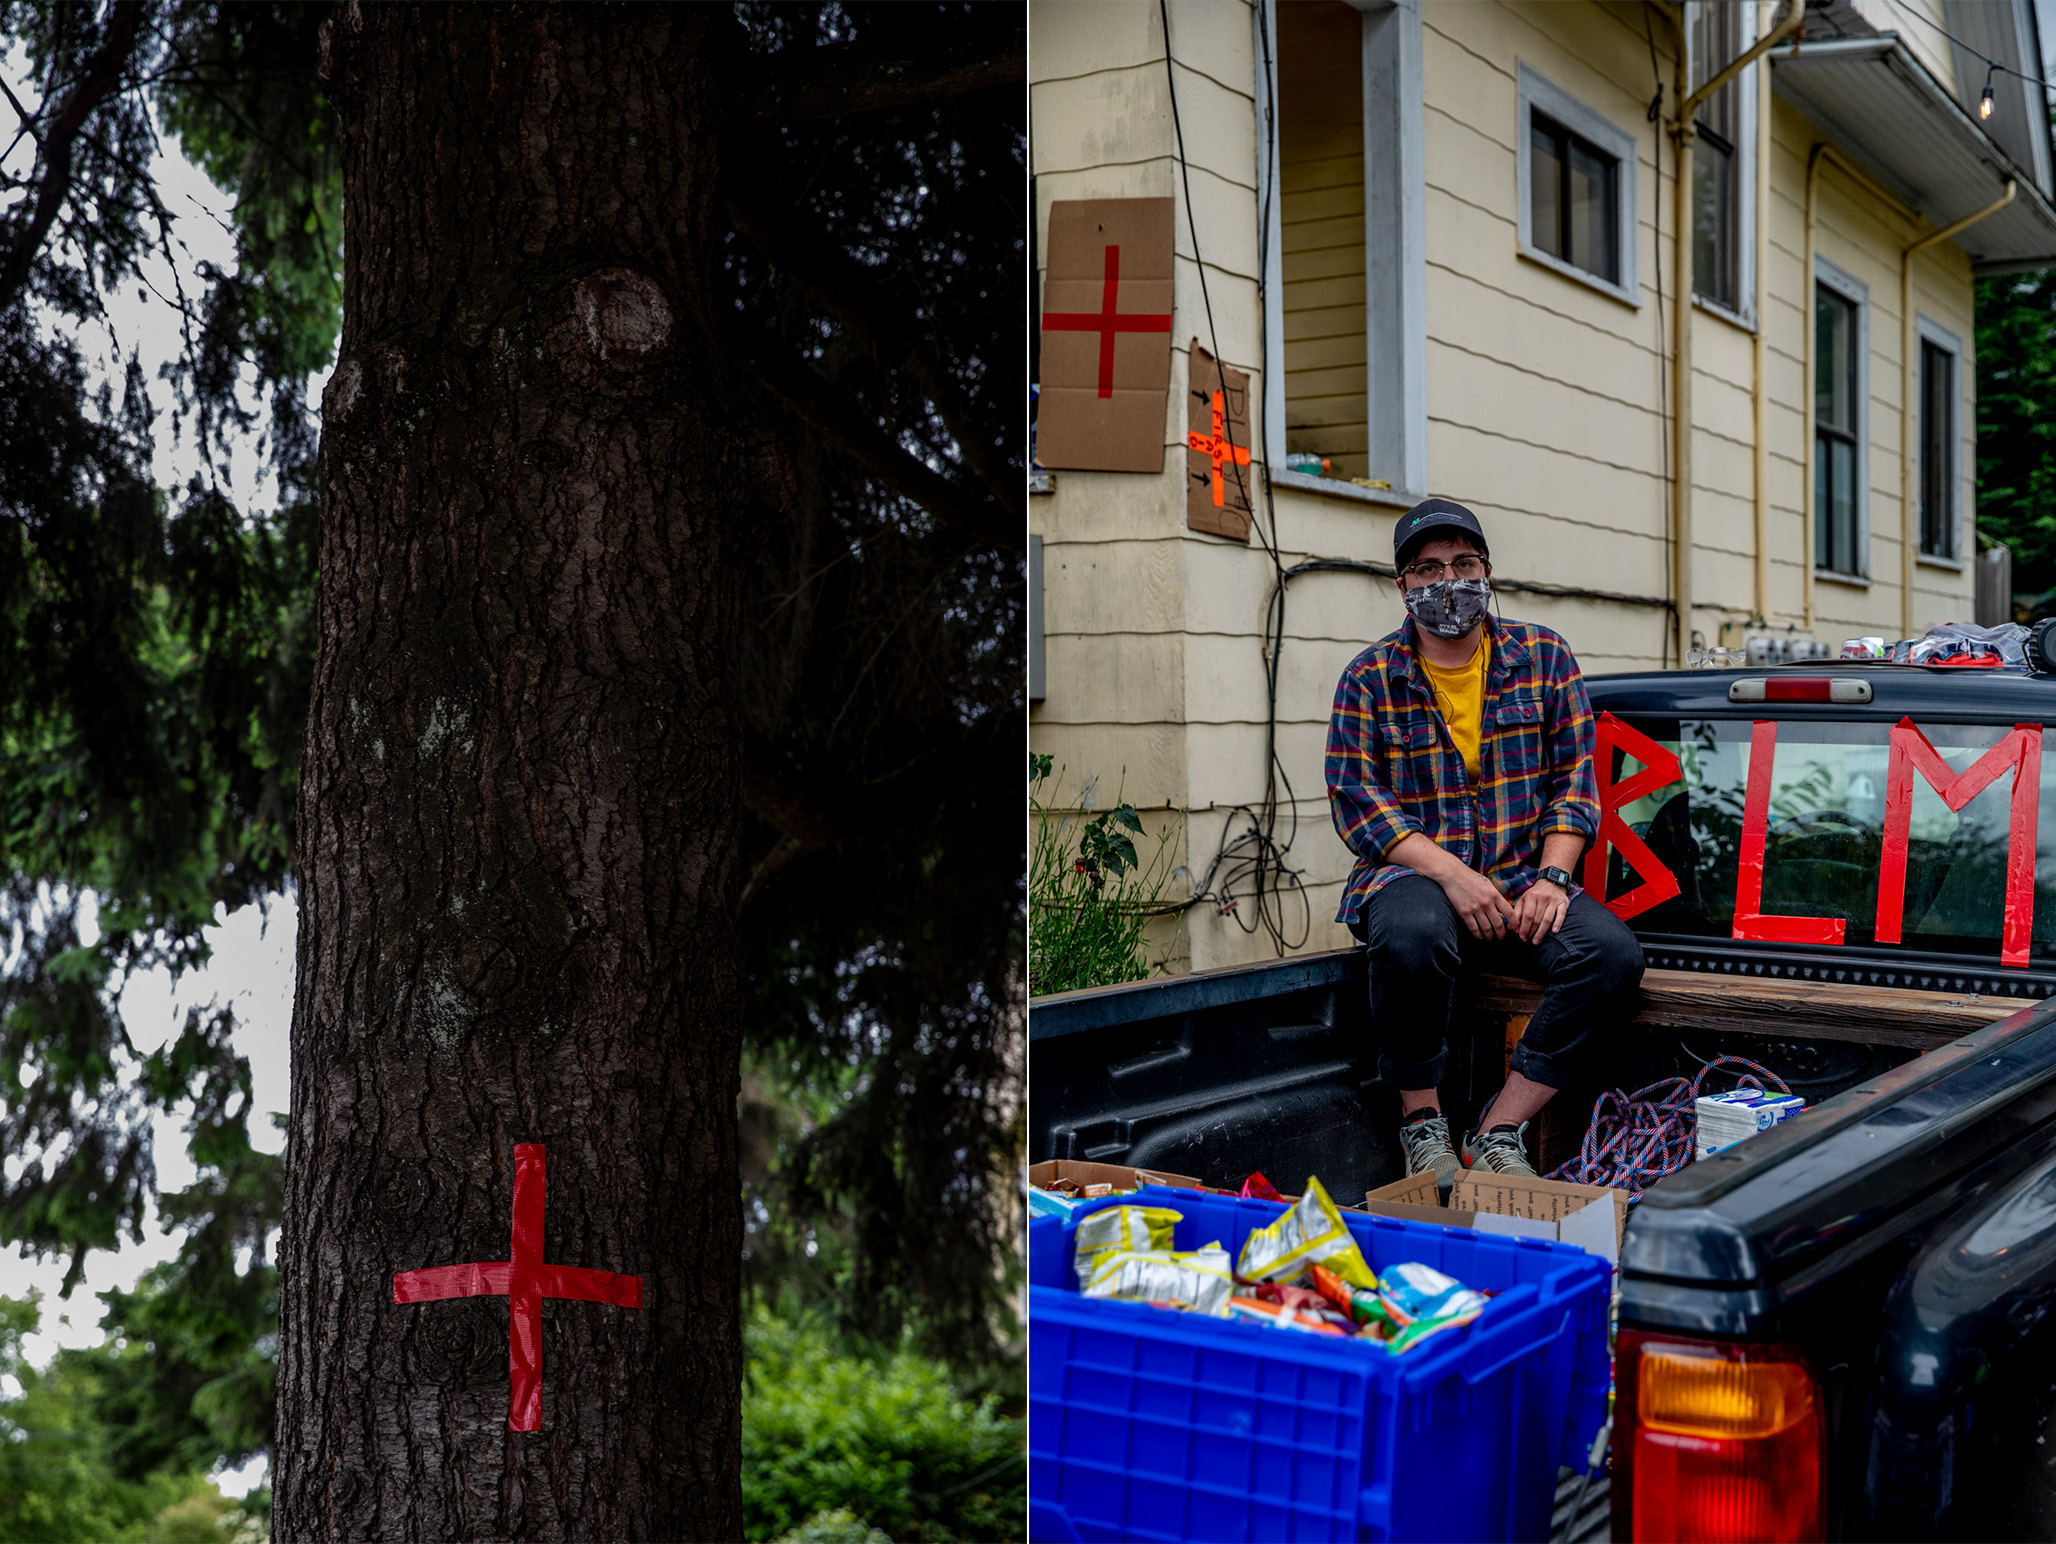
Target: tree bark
520, 802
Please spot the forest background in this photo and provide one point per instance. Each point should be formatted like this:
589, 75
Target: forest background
157, 519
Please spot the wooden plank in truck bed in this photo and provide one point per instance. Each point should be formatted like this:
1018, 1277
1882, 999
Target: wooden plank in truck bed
1816, 1010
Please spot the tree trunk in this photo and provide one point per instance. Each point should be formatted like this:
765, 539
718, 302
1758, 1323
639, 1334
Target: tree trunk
519, 813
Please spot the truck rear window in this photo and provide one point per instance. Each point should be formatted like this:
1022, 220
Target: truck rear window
1824, 835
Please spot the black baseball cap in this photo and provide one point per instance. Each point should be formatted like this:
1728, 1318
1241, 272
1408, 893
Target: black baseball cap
1431, 518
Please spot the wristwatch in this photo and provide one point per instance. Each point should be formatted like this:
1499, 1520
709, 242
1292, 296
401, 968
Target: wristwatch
1555, 876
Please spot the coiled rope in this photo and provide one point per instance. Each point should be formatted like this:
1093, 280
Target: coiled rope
1635, 1140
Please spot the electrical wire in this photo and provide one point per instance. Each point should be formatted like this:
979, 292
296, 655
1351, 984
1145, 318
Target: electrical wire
1255, 857
1635, 1140
1985, 59
1656, 268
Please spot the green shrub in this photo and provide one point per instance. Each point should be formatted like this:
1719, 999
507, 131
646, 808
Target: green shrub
888, 1444
1090, 896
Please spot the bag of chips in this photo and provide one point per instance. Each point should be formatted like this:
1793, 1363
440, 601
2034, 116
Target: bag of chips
1122, 1227
1282, 1317
1197, 1279
1312, 1233
1422, 1302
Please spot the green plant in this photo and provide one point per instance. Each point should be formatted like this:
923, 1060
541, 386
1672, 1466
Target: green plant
1090, 894
882, 1445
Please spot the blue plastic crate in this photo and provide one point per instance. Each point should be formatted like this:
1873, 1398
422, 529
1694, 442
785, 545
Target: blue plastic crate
1149, 1424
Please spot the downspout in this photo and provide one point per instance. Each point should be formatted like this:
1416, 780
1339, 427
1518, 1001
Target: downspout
1681, 268
1760, 470
1909, 383
1822, 154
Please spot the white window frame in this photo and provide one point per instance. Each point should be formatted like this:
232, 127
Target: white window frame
1857, 293
1928, 330
1395, 254
1742, 314
1537, 92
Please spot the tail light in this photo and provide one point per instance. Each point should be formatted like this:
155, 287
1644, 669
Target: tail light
1719, 1442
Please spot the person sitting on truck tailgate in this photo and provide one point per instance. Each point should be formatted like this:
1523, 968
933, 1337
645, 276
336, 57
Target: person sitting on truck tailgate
1460, 774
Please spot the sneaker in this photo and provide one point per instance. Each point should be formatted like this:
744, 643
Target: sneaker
1426, 1143
1501, 1150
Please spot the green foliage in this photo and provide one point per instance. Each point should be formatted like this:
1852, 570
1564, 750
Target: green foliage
60, 1481
1090, 896
2016, 422
886, 1441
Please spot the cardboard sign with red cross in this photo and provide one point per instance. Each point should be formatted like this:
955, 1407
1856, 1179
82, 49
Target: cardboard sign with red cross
1218, 474
1106, 335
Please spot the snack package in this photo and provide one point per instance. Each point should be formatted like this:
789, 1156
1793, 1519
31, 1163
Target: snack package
1312, 1233
1360, 1303
1422, 1302
1122, 1227
1281, 1317
1196, 1279
1257, 1188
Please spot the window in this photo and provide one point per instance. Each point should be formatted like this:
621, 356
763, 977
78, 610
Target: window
1573, 189
1939, 395
1577, 189
1838, 378
1718, 162
1825, 835
1321, 172
1341, 188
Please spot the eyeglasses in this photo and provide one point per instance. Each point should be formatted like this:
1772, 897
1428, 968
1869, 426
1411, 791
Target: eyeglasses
1431, 570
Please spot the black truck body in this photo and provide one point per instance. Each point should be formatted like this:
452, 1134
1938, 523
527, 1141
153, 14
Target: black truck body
1897, 1241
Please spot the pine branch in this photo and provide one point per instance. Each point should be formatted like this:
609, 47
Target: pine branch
835, 413
883, 321
844, 79
102, 77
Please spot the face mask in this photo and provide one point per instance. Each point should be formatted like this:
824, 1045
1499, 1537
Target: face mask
1451, 608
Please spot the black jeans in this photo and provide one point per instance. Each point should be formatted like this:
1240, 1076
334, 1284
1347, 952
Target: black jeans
1417, 945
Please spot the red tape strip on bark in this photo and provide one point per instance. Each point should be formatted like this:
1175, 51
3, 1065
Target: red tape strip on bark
524, 1281
1750, 922
2019, 752
1659, 770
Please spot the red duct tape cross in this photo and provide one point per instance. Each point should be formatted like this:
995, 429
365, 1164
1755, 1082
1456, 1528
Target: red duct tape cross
1106, 321
524, 1281
2021, 753
1659, 770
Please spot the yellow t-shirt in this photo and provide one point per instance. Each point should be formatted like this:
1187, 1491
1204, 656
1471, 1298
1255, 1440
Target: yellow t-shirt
1460, 694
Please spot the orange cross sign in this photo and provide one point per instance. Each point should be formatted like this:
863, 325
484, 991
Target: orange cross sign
1219, 449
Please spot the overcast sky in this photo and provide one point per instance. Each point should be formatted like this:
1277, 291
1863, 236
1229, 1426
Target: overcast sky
252, 966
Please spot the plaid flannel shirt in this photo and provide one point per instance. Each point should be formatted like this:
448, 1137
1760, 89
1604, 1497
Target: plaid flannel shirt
1393, 769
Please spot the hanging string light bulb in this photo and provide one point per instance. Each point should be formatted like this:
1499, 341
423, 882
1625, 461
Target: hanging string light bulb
1984, 106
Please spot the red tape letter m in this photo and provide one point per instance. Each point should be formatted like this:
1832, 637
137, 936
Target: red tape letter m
1750, 922
2021, 751
1659, 770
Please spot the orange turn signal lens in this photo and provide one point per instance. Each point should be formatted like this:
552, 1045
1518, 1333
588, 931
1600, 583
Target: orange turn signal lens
1697, 1395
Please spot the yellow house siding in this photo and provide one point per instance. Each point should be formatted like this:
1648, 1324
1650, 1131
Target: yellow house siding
1547, 404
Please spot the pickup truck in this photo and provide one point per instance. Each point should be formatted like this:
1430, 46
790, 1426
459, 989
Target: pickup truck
1845, 871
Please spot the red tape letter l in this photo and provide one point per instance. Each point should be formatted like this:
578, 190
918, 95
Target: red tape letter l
2022, 752
1750, 922
1659, 770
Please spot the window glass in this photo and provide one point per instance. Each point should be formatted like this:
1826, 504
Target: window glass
1716, 182
1591, 210
1573, 199
1937, 450
1835, 409
1834, 350
1545, 186
1824, 836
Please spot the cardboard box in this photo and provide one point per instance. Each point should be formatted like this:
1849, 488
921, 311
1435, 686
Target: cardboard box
1114, 1174
1590, 1216
1106, 335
